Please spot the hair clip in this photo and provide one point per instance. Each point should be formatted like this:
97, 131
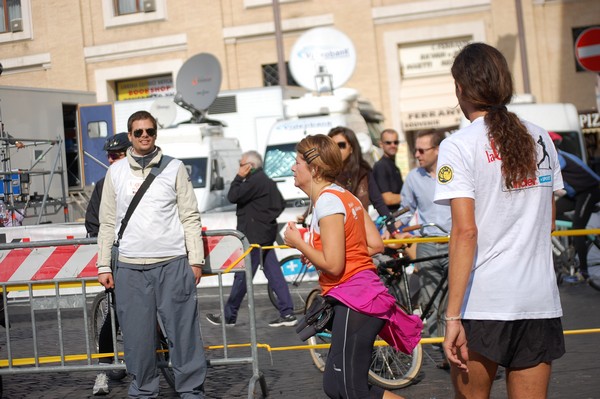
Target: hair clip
310, 155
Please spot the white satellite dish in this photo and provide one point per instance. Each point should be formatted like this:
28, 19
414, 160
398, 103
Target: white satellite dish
198, 83
320, 53
164, 111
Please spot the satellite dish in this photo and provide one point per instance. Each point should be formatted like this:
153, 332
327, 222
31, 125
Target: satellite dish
322, 53
164, 111
198, 81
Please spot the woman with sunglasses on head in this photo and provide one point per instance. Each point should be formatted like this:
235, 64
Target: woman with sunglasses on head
342, 240
503, 303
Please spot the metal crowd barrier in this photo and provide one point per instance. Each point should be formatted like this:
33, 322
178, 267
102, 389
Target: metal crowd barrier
54, 278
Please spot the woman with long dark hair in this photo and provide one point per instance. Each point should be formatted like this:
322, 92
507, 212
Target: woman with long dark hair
503, 302
354, 176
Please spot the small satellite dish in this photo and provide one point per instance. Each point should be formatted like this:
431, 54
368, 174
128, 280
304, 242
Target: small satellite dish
321, 54
198, 81
164, 110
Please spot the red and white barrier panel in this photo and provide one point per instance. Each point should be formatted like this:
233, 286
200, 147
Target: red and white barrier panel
79, 261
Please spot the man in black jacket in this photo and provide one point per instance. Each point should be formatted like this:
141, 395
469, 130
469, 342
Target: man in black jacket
259, 203
115, 147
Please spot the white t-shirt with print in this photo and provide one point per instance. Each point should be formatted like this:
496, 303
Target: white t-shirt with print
513, 275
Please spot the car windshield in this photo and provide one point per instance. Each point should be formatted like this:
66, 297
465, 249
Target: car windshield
196, 168
279, 160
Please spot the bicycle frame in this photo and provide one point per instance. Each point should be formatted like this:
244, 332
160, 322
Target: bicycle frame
398, 272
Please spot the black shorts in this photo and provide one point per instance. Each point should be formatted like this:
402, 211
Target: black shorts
516, 343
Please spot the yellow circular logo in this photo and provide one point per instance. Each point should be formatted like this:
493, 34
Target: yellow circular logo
445, 174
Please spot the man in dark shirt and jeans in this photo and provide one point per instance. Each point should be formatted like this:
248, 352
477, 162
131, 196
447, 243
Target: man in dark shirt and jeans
386, 173
259, 203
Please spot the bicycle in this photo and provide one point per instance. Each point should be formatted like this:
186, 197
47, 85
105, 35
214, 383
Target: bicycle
566, 262
296, 273
100, 310
390, 369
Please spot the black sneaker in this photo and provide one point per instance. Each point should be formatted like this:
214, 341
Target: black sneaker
216, 320
285, 321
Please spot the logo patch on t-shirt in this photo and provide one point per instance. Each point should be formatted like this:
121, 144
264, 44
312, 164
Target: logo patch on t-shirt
445, 174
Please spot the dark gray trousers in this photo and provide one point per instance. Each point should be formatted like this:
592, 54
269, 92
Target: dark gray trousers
168, 289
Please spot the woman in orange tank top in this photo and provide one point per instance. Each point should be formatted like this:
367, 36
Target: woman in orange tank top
342, 240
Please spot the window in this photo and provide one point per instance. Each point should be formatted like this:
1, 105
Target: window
97, 129
279, 160
15, 24
10, 10
124, 7
196, 168
271, 75
130, 12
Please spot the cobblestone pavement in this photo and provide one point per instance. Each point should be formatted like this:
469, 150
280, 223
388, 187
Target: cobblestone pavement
291, 374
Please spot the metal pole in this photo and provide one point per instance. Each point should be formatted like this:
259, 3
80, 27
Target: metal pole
279, 43
522, 47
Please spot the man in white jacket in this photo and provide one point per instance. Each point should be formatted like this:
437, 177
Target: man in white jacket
159, 263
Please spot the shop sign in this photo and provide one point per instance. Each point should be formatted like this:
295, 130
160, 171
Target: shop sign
431, 58
589, 121
145, 88
431, 119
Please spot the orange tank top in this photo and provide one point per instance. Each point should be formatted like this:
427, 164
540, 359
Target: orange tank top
357, 253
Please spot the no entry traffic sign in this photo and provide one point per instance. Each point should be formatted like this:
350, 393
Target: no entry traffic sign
587, 49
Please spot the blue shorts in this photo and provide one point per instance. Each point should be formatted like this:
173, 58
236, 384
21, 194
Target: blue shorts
516, 343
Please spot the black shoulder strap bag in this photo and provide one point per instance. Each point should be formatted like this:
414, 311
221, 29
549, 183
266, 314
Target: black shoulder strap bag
155, 171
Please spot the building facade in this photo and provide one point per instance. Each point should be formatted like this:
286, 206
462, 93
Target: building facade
125, 49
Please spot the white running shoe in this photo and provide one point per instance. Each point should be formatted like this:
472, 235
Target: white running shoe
101, 384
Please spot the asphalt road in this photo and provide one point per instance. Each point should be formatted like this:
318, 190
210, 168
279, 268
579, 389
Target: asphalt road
290, 373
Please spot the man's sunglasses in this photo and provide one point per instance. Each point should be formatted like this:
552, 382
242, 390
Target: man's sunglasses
137, 133
115, 156
422, 151
395, 142
342, 145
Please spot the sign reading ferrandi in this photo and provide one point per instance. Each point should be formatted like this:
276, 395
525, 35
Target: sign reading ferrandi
431, 119
429, 58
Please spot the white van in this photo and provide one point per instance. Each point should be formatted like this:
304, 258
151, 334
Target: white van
561, 118
311, 115
212, 160
556, 117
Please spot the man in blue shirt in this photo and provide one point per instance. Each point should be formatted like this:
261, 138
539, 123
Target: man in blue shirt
583, 192
417, 194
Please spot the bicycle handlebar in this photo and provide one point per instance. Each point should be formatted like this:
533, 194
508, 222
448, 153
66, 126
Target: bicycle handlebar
397, 263
390, 221
422, 227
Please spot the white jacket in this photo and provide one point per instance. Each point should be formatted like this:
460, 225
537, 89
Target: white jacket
166, 222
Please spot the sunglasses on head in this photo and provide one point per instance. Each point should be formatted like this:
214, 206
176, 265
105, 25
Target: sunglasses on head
342, 145
137, 133
115, 155
395, 142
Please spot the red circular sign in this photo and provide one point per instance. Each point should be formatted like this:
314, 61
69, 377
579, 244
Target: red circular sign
587, 49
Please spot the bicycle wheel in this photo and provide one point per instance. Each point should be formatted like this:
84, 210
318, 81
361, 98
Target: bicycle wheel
163, 358
318, 355
99, 313
441, 315
391, 369
295, 273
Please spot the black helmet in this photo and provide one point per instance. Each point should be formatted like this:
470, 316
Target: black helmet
117, 143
